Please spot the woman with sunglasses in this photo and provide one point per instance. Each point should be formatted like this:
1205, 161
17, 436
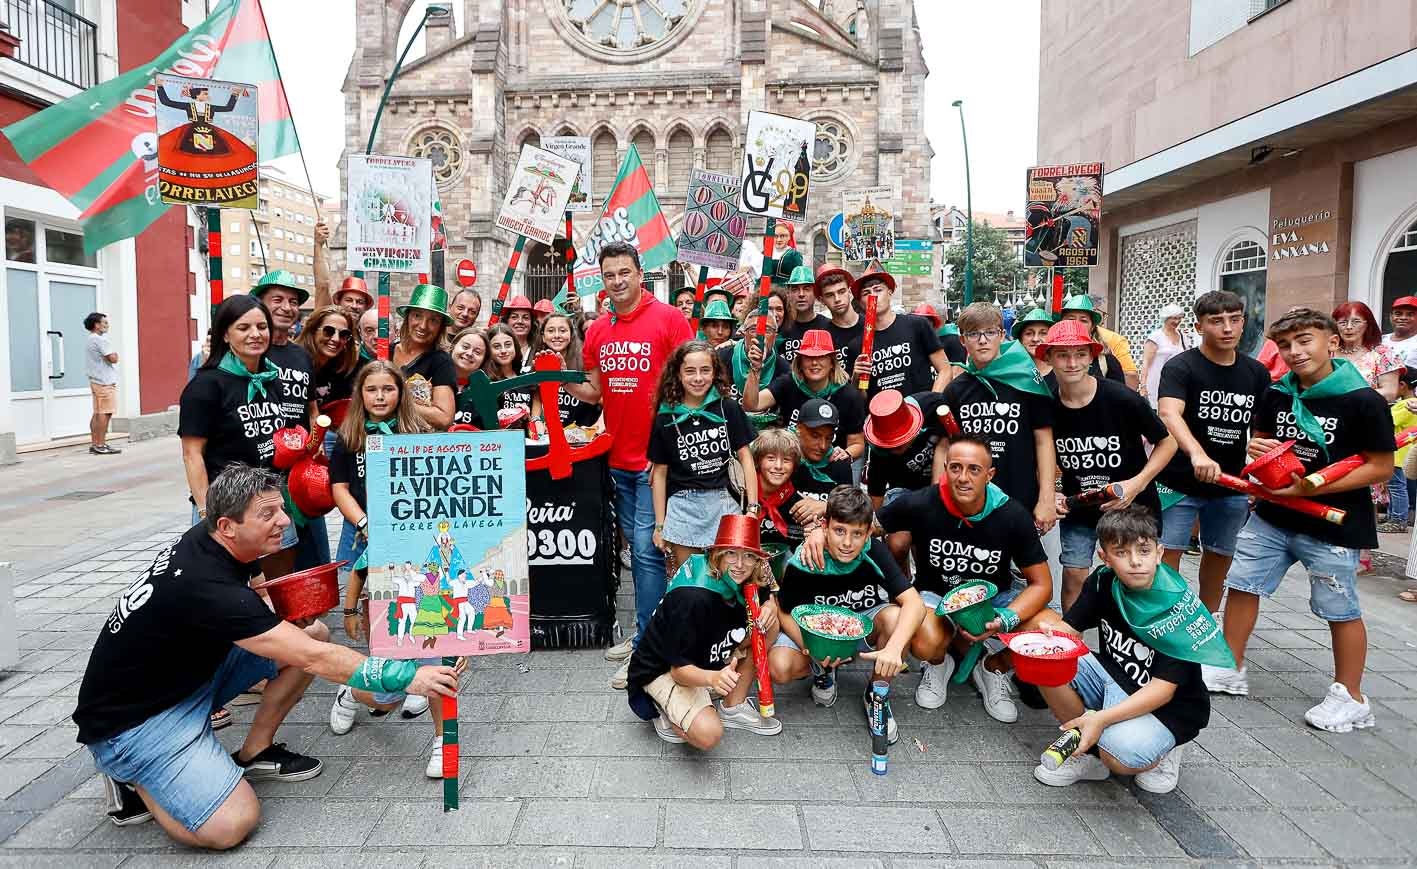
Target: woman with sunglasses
329, 338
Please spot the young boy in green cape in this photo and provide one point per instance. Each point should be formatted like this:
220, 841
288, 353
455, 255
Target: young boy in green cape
1329, 411
1140, 697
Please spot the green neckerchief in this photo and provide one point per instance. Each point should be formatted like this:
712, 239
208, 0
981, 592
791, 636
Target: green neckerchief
365, 354
1170, 618
832, 567
681, 412
696, 574
255, 383
1169, 497
948, 329
818, 469
1013, 367
994, 498
381, 427
827, 391
740, 363
1342, 380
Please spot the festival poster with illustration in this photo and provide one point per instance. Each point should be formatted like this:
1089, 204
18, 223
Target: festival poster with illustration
1064, 215
447, 544
577, 150
713, 229
206, 142
868, 224
389, 213
777, 166
537, 195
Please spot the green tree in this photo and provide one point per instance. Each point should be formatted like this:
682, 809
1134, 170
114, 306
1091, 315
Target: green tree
995, 265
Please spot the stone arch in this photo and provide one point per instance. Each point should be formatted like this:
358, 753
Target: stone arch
639, 126
721, 146
604, 157
680, 145
565, 128
647, 141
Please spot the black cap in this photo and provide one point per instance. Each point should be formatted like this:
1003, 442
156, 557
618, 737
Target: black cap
818, 412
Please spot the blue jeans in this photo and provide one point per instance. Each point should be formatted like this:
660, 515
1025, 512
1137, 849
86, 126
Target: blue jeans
634, 508
1221, 519
1398, 503
348, 551
1137, 743
1264, 553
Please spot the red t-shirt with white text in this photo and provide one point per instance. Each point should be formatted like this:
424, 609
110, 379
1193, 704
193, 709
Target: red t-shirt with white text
629, 353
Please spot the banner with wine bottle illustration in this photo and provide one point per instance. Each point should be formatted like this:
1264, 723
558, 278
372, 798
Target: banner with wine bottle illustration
447, 544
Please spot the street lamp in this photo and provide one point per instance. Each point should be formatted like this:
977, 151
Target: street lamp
969, 212
432, 10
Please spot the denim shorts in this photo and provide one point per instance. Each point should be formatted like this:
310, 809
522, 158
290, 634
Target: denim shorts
175, 756
786, 642
691, 516
1264, 552
1221, 519
1079, 544
1137, 743
385, 697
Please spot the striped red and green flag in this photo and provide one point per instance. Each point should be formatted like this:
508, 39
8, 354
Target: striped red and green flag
642, 223
98, 149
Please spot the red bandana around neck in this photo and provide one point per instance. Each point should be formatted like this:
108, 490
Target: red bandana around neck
772, 503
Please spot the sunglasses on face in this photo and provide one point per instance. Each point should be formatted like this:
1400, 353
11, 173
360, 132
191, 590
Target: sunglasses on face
328, 332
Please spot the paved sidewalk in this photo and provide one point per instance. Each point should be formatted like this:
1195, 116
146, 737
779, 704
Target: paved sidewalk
557, 772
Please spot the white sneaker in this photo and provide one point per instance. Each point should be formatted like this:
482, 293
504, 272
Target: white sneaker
1079, 767
625, 561
342, 711
621, 650
994, 688
435, 759
414, 705
1339, 712
1162, 778
664, 731
934, 685
622, 676
892, 732
745, 716
823, 686
1224, 680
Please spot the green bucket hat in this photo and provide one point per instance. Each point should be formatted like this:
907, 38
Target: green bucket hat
279, 278
429, 298
1037, 315
802, 275
718, 310
1083, 303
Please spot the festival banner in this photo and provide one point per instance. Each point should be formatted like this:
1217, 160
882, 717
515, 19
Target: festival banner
868, 224
389, 213
776, 167
206, 142
537, 195
1064, 215
631, 214
98, 148
713, 229
447, 544
577, 150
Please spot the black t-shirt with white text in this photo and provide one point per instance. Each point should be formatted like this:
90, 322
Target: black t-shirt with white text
912, 467
1102, 443
1132, 664
838, 470
1006, 419
433, 368
171, 630
214, 406
792, 332
900, 356
691, 627
791, 535
347, 466
332, 385
859, 590
843, 337
954, 348
850, 406
1357, 422
297, 376
949, 551
697, 451
1220, 403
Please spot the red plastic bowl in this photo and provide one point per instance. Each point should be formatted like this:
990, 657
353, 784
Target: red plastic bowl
1040, 659
290, 446
310, 487
306, 593
1273, 469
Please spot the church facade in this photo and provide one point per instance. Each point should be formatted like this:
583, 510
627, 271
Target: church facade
674, 78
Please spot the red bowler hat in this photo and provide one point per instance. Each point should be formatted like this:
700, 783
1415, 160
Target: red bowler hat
736, 531
816, 342
828, 271
928, 312
894, 421
1067, 333
874, 273
543, 308
353, 284
518, 303
1405, 302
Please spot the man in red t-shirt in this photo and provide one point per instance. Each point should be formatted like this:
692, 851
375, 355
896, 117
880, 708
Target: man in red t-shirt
624, 354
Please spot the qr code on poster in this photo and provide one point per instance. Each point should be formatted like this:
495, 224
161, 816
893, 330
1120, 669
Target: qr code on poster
374, 443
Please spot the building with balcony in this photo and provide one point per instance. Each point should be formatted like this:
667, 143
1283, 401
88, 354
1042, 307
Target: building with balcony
151, 287
1262, 146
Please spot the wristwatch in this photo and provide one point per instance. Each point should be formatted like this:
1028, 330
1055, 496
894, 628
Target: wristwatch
351, 612
754, 509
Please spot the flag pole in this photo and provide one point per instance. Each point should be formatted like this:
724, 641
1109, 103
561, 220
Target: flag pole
699, 290
299, 149
765, 284
214, 274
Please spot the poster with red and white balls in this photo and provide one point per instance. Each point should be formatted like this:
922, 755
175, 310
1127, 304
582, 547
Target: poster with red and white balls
713, 229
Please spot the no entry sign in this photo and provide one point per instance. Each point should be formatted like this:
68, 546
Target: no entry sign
466, 273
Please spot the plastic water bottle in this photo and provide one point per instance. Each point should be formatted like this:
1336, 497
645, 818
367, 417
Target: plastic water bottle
880, 691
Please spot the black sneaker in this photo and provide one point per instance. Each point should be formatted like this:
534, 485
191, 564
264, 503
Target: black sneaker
104, 450
277, 763
126, 807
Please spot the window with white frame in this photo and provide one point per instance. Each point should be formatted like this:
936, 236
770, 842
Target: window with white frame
235, 226
1243, 272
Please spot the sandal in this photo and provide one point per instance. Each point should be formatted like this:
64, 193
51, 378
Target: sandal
220, 718
1410, 595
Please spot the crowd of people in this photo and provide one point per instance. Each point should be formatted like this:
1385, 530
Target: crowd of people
1048, 466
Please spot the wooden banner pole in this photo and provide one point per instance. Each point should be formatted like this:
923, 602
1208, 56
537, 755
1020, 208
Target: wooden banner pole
765, 284
382, 343
699, 289
507, 276
214, 273
571, 267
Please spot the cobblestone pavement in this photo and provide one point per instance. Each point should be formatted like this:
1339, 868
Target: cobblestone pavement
557, 772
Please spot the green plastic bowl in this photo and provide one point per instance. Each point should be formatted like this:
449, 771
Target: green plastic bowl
822, 646
974, 617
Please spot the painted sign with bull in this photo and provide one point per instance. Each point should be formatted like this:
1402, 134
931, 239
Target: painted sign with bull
1064, 215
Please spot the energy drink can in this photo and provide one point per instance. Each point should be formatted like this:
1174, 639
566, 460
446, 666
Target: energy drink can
880, 691
1060, 749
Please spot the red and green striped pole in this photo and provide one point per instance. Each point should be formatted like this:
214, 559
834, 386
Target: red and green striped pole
218, 286
382, 343
765, 284
450, 745
699, 289
507, 276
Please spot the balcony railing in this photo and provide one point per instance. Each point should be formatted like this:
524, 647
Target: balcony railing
53, 40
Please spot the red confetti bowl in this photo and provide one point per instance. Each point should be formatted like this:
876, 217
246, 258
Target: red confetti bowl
1040, 659
290, 446
306, 593
1273, 469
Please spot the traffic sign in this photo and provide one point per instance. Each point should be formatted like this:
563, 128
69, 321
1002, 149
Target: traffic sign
838, 223
466, 273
